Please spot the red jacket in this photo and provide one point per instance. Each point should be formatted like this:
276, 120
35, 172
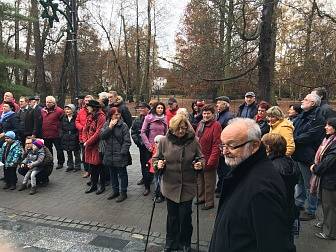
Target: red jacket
80, 122
209, 141
51, 122
170, 114
91, 132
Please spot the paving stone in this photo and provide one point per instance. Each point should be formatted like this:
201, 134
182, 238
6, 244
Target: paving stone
117, 232
114, 226
67, 220
109, 242
94, 223
129, 229
101, 225
159, 240
76, 221
138, 236
155, 234
79, 226
93, 228
122, 227
84, 222
72, 225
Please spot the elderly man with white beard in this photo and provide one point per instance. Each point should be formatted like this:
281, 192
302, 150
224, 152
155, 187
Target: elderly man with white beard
252, 212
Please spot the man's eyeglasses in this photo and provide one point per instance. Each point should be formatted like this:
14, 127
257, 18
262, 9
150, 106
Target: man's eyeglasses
232, 147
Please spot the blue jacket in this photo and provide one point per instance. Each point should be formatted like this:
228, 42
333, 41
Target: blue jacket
14, 154
224, 117
308, 135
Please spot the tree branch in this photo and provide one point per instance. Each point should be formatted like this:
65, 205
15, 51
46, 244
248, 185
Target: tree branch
211, 80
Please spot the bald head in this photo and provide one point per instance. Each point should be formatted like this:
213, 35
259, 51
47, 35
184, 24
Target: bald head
240, 139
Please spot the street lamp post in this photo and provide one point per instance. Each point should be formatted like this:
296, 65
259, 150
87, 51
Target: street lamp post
50, 12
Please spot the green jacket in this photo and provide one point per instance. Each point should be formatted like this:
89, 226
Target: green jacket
14, 154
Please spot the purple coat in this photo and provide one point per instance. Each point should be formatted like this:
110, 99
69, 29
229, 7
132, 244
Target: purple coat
151, 127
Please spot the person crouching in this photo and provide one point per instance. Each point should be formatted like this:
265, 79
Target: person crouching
33, 163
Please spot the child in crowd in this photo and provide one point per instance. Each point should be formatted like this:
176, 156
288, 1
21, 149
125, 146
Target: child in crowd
10, 154
157, 193
70, 139
33, 163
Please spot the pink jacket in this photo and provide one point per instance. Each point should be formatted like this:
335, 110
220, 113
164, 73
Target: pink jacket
151, 127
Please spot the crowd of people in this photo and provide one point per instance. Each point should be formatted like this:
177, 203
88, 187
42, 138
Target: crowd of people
267, 169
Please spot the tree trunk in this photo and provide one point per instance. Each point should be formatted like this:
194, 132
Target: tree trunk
307, 77
66, 68
137, 49
128, 72
267, 50
17, 42
145, 84
40, 82
29, 38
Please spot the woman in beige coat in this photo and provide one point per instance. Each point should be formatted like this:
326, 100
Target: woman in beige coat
179, 156
282, 126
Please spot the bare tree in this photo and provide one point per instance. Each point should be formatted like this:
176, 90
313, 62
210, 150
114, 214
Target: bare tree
38, 45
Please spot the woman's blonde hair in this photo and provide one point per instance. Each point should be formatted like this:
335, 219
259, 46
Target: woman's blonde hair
275, 111
177, 120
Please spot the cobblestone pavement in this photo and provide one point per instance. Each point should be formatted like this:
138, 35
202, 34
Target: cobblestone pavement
63, 205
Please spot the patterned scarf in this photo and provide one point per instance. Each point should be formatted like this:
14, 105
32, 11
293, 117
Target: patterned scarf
323, 147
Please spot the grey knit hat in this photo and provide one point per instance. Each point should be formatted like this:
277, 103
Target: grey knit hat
71, 106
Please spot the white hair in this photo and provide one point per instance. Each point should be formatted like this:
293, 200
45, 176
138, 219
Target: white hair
253, 129
103, 95
51, 98
316, 99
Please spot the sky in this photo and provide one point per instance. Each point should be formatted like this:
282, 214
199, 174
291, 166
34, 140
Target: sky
171, 13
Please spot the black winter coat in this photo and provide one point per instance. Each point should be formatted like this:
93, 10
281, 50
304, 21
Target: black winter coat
308, 134
117, 144
286, 168
69, 134
26, 121
224, 117
326, 110
136, 130
252, 212
326, 169
264, 127
11, 123
125, 113
37, 129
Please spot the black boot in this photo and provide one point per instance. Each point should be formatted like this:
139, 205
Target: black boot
121, 197
113, 195
100, 190
91, 189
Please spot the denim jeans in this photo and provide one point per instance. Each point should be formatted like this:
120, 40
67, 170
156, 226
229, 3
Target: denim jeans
117, 173
302, 190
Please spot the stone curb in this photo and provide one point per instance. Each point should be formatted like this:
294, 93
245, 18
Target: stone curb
83, 225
